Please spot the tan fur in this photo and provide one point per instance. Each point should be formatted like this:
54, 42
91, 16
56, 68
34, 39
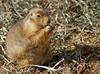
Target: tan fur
28, 40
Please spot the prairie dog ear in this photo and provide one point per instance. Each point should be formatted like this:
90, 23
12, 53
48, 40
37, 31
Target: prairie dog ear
31, 13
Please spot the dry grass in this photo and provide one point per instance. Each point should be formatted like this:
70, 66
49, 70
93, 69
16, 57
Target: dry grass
77, 26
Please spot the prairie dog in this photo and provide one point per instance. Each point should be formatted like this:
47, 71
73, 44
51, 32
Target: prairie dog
28, 41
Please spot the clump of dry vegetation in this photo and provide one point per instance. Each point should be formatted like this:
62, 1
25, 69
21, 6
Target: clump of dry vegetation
76, 37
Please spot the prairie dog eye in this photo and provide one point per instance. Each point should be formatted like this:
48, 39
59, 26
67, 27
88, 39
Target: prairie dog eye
38, 15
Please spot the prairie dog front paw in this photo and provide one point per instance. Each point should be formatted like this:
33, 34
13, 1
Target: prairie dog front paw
48, 28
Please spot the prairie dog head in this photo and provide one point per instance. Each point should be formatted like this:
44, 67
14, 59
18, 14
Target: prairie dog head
39, 17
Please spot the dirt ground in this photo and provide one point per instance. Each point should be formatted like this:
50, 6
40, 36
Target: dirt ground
76, 35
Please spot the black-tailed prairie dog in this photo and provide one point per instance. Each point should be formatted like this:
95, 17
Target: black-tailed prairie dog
28, 41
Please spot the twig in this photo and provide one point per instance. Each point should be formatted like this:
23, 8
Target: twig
4, 58
7, 69
13, 4
87, 16
48, 68
3, 49
3, 29
77, 2
74, 61
58, 63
